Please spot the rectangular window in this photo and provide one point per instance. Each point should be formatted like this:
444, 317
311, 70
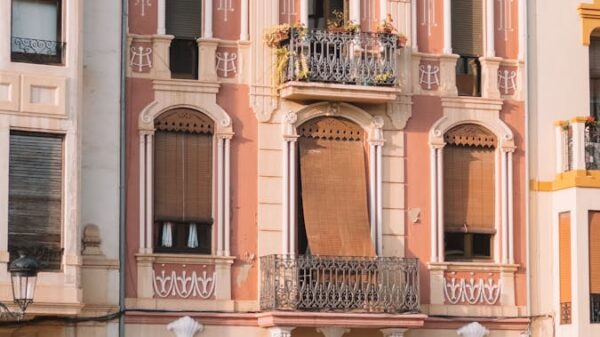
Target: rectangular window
36, 31
35, 197
327, 14
467, 42
594, 251
183, 192
469, 221
183, 20
564, 251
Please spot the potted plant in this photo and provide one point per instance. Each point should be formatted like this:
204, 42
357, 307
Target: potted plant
384, 79
388, 30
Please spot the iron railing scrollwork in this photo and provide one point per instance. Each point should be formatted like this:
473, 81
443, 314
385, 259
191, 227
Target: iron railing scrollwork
565, 313
36, 50
329, 283
342, 57
592, 146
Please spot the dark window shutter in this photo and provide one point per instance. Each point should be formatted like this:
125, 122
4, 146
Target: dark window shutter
467, 27
183, 18
35, 197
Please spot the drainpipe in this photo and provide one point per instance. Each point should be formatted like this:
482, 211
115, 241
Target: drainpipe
525, 44
122, 157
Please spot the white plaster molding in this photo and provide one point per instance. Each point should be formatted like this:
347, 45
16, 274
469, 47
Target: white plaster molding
394, 332
447, 27
183, 94
473, 330
399, 112
357, 115
281, 331
472, 290
167, 284
484, 112
185, 327
333, 331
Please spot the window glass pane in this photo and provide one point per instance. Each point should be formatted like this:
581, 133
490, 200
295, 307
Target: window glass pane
35, 197
482, 244
35, 19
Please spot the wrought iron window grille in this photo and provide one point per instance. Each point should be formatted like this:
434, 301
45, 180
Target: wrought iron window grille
36, 51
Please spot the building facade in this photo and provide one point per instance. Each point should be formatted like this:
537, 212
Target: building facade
336, 168
563, 169
59, 159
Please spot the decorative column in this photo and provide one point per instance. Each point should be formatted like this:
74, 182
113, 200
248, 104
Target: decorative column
244, 21
489, 29
355, 10
395, 332
440, 202
160, 49
578, 129
447, 27
376, 142
223, 194
208, 11
304, 12
510, 197
413, 25
433, 193
289, 183
149, 191
161, 18
142, 182
522, 29
561, 141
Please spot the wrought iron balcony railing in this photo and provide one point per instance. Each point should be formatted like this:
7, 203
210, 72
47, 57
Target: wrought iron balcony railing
342, 284
36, 51
592, 146
342, 57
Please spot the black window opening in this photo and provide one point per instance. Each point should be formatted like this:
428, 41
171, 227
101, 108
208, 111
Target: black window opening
36, 34
327, 13
594, 51
183, 20
467, 42
35, 197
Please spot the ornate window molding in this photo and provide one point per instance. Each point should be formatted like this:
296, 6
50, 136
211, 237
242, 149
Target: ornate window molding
458, 111
200, 97
372, 125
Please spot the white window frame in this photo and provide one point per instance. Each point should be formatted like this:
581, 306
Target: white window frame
221, 196
457, 111
373, 127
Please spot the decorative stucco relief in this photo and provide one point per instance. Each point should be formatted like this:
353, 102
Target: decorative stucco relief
141, 58
505, 24
429, 75
428, 15
225, 6
185, 327
507, 80
472, 289
183, 281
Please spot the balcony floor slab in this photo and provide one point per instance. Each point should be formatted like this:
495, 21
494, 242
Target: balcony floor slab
316, 91
348, 319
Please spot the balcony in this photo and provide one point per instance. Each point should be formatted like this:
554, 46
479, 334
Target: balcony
342, 66
339, 284
36, 51
578, 143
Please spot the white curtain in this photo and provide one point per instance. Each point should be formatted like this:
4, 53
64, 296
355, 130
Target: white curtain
167, 235
193, 236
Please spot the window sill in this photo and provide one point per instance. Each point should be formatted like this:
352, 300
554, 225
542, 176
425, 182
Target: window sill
184, 258
474, 266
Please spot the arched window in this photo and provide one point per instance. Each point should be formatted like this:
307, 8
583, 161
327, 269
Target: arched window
333, 218
183, 165
469, 192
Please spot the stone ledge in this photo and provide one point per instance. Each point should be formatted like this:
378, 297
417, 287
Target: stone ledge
305, 91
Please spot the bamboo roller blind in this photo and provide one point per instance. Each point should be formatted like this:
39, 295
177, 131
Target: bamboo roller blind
594, 218
334, 188
183, 168
564, 251
467, 27
469, 180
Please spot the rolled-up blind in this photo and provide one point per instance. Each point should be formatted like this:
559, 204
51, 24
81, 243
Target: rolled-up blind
467, 27
334, 189
183, 18
35, 197
183, 167
469, 166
